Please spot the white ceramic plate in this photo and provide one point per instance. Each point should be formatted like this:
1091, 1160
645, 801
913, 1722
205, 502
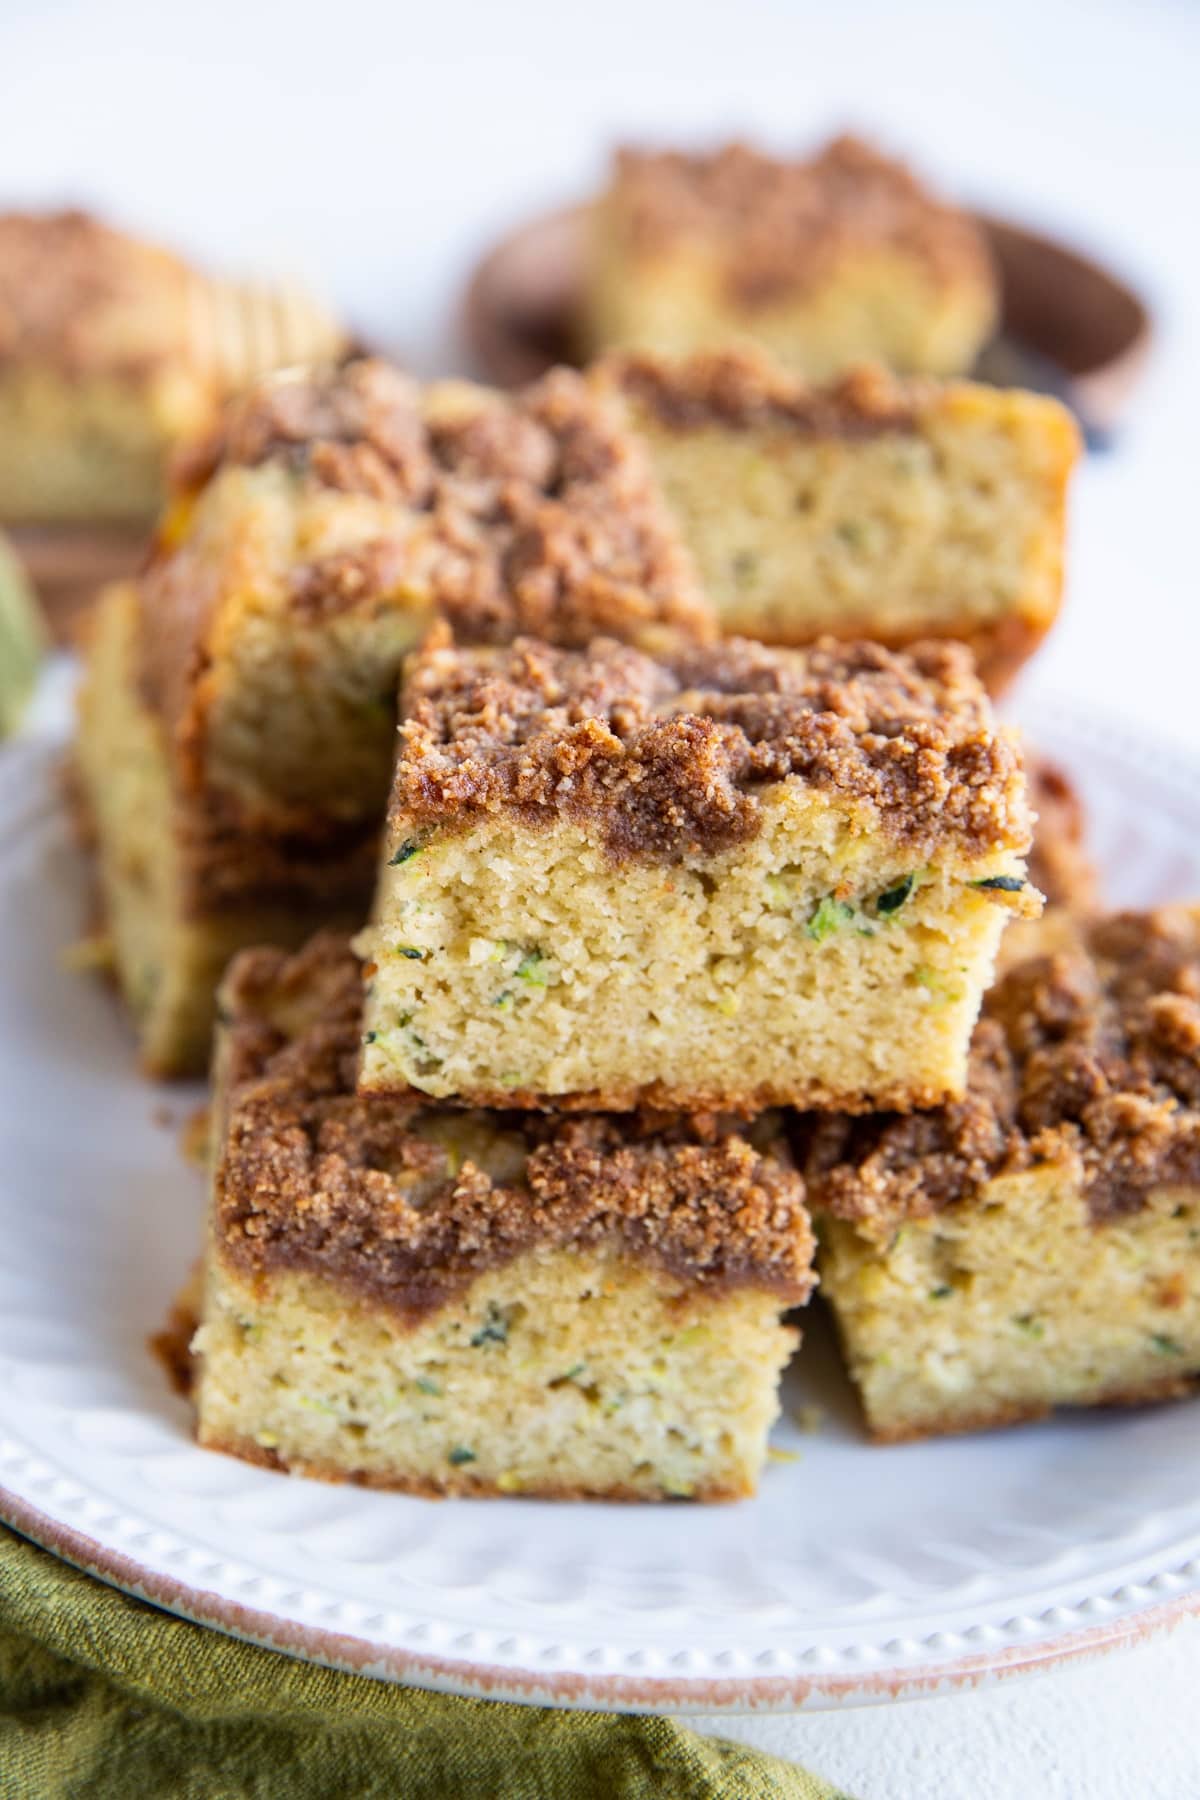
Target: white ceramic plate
859, 1572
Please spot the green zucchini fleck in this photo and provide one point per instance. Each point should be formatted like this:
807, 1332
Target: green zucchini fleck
1001, 884
941, 992
942, 1292
829, 917
494, 1329
411, 951
409, 848
1166, 1346
1030, 1324
531, 968
369, 1037
460, 1454
894, 898
428, 1385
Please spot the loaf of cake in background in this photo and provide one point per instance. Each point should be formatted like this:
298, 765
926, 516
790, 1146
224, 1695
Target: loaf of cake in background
237, 716
112, 352
837, 259
734, 877
1033, 1245
867, 507
480, 1303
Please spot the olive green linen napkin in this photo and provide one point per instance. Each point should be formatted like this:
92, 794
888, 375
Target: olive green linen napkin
102, 1695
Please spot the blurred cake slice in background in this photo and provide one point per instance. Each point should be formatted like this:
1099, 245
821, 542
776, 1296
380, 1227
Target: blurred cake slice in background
481, 1303
113, 350
870, 507
826, 262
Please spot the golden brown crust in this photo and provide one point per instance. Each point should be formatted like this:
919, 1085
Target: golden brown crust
669, 756
1002, 649
536, 513
741, 389
1088, 1057
66, 283
313, 1176
459, 1483
659, 1097
1059, 866
779, 227
172, 1346
991, 1418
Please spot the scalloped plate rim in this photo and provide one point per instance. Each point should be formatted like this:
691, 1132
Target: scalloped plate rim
1136, 1611
571, 1691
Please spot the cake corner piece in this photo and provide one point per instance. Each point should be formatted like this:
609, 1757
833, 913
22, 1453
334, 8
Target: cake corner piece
870, 506
335, 517
1033, 1246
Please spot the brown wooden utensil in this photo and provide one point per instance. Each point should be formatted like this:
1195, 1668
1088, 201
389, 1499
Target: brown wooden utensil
1067, 324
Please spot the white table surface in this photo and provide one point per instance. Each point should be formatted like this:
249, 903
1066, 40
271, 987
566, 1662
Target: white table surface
375, 147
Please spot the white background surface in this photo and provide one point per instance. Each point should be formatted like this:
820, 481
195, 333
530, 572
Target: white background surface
375, 147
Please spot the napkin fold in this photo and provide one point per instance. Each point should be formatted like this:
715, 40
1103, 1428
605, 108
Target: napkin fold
103, 1695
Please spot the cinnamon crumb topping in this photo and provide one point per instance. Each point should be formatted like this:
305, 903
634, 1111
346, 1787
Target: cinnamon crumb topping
742, 389
670, 755
82, 297
370, 1192
529, 513
1091, 1055
778, 227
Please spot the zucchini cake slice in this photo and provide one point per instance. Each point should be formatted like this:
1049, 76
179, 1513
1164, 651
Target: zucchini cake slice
872, 507
1034, 1245
178, 889
735, 878
455, 1302
828, 261
250, 676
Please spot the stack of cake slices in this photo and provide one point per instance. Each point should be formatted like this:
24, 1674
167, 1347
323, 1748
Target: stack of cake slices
509, 1205
674, 941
